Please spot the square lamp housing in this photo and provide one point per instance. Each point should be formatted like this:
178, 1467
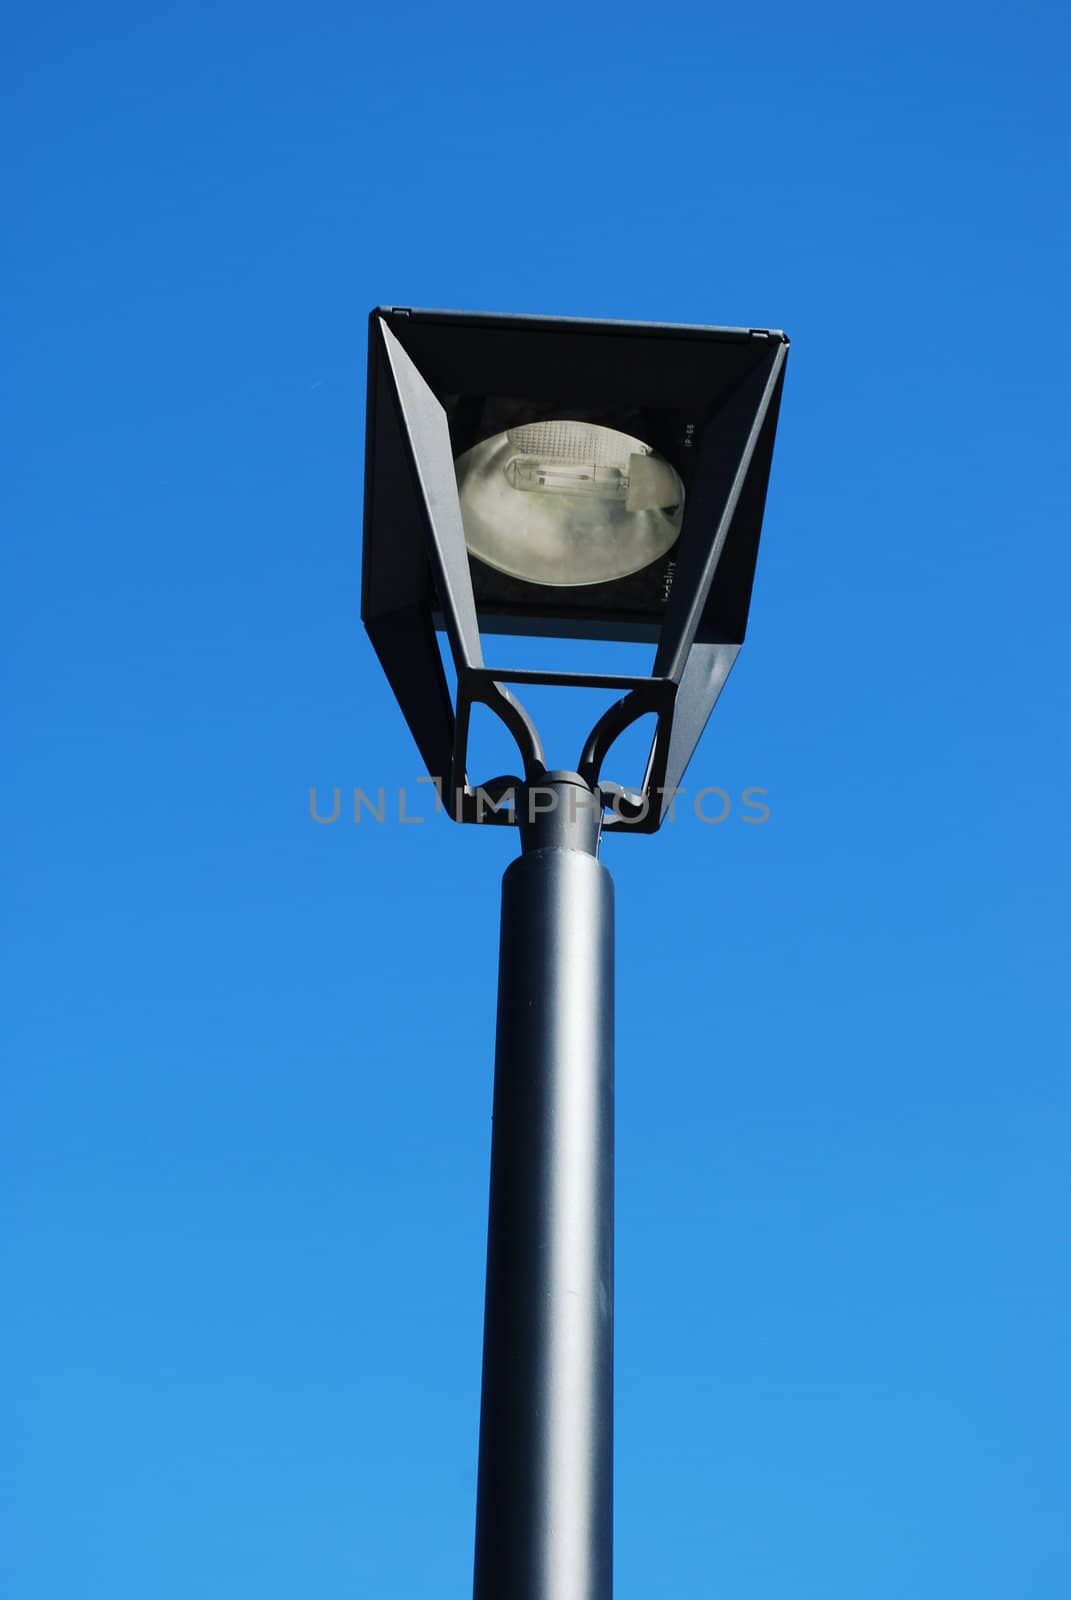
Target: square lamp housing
663, 432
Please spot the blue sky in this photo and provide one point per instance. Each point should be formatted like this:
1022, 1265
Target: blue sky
248, 1057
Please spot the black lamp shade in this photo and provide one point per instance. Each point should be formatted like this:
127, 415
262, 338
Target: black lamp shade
659, 383
699, 405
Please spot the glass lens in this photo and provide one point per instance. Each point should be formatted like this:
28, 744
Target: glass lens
568, 503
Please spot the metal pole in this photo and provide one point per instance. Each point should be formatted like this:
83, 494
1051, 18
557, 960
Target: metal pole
544, 1514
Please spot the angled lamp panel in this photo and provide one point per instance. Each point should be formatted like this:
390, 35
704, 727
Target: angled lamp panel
726, 464
397, 596
428, 436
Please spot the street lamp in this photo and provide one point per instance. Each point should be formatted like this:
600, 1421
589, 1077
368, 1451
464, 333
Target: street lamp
605, 480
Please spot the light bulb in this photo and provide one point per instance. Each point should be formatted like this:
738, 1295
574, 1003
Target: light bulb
568, 503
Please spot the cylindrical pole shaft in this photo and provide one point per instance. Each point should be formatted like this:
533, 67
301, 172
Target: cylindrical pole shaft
544, 1519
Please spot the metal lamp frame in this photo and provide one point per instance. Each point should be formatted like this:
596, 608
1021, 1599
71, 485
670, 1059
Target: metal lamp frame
420, 571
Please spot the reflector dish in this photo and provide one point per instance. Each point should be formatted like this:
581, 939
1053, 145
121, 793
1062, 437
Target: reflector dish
568, 503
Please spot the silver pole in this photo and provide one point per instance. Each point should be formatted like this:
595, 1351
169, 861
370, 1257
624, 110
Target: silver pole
544, 1517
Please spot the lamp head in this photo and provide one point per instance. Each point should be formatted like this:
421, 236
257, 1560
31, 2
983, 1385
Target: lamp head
550, 476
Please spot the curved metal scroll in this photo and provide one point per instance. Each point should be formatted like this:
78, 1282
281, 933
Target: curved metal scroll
609, 728
484, 803
494, 800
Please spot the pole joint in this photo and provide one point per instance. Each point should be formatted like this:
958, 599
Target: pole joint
560, 811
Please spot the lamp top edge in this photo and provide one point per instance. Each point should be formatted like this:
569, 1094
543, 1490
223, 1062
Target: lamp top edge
592, 324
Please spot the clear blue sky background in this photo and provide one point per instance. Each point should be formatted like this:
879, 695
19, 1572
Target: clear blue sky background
249, 1057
